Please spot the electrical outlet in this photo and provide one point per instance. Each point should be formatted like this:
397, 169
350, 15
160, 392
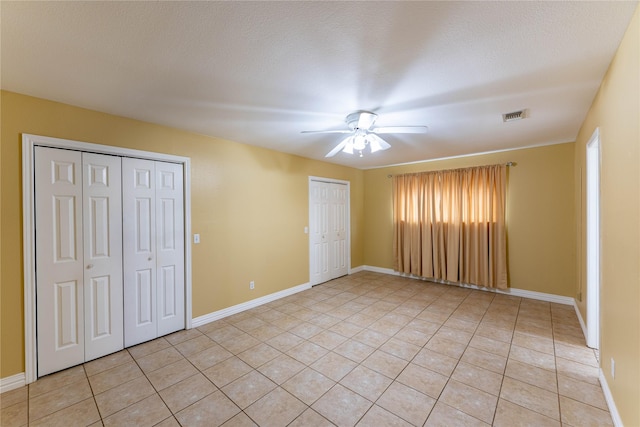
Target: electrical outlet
252, 284
613, 368
196, 238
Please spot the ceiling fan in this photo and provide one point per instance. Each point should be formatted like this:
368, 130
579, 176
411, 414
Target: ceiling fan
363, 134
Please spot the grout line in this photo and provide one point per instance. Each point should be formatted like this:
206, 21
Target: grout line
344, 293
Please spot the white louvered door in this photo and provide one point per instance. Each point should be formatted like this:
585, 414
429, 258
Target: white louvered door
153, 249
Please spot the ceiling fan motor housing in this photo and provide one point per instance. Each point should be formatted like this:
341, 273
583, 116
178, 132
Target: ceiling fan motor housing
361, 120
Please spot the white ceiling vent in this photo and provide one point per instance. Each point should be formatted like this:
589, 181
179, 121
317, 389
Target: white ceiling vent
515, 115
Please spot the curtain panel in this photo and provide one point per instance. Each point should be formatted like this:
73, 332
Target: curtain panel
450, 225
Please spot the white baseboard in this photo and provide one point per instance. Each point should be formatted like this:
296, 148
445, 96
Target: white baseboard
357, 269
581, 320
13, 382
19, 380
220, 314
615, 415
235, 309
511, 291
542, 296
379, 270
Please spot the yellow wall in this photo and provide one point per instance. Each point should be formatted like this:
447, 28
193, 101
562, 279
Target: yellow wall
540, 215
616, 112
249, 205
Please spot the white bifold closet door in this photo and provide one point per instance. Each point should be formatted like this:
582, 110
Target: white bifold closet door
78, 257
153, 249
328, 230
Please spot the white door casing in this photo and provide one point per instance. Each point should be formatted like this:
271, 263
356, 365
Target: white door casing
593, 240
102, 236
60, 295
329, 250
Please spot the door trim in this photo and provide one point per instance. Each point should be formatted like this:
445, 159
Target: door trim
593, 234
334, 181
28, 228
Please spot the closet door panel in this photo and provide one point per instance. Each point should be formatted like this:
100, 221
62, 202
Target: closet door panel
139, 242
59, 259
319, 232
102, 231
170, 247
338, 231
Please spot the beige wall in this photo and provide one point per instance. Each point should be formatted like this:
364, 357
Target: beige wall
247, 201
540, 215
249, 205
616, 112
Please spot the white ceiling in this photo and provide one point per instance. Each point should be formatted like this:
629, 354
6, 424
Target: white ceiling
261, 72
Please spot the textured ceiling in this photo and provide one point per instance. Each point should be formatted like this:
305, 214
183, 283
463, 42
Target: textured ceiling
261, 72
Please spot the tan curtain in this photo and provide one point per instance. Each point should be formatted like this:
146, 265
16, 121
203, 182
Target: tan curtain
450, 225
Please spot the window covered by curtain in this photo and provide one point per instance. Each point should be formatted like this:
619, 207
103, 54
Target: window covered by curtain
450, 225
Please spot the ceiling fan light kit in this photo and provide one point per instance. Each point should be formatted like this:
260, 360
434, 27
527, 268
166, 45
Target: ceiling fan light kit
363, 134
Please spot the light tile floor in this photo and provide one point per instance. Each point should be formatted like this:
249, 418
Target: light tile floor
367, 350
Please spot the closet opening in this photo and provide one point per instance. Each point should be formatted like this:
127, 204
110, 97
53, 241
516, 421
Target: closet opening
172, 172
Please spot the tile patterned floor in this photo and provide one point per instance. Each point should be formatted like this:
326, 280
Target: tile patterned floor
367, 350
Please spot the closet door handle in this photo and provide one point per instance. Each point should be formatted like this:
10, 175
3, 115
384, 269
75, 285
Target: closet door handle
150, 258
89, 266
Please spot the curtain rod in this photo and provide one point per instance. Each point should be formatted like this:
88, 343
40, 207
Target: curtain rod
506, 164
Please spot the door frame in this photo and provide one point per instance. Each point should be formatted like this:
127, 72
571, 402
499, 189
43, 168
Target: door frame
28, 228
593, 239
348, 221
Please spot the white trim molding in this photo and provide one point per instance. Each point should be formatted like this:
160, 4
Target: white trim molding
28, 229
238, 308
13, 382
356, 269
593, 239
510, 291
581, 320
613, 409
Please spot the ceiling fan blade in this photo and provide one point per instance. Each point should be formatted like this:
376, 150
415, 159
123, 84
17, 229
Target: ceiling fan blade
339, 147
400, 129
327, 131
376, 143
